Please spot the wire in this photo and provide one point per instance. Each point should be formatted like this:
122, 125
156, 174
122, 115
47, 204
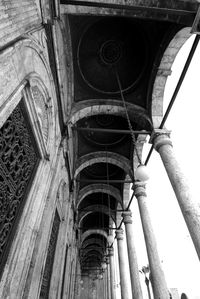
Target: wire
132, 134
127, 116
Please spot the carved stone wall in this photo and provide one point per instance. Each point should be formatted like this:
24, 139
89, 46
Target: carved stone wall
41, 107
17, 17
32, 179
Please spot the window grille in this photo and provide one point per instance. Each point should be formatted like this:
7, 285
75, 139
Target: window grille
44, 293
18, 162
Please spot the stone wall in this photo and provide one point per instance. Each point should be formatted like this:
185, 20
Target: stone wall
25, 76
17, 17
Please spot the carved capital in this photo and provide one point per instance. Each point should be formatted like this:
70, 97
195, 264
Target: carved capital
127, 217
110, 251
119, 234
140, 189
159, 138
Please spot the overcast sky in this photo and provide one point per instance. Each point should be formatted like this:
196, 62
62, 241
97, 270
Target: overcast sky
179, 258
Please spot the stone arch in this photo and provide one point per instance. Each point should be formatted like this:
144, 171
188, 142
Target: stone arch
164, 70
96, 249
96, 208
40, 49
88, 257
91, 242
93, 107
31, 67
96, 188
43, 105
89, 232
31, 59
103, 157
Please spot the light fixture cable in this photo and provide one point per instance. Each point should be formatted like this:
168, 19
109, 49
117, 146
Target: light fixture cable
127, 116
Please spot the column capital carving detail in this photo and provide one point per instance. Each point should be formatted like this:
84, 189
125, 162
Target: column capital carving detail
160, 137
127, 217
110, 251
140, 189
119, 234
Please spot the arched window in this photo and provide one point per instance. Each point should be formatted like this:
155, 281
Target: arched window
19, 158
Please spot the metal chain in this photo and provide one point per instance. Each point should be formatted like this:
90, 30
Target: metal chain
127, 116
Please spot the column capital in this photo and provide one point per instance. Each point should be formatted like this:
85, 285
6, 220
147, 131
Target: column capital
119, 234
127, 217
110, 251
139, 189
160, 137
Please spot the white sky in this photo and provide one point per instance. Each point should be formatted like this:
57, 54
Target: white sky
180, 262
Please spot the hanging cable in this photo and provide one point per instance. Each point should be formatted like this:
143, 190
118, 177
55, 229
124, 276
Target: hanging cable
127, 116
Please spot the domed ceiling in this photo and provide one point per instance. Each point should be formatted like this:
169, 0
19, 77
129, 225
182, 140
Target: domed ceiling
104, 45
115, 61
109, 45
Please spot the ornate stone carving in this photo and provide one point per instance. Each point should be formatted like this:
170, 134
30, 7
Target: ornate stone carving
127, 217
42, 111
18, 160
44, 293
119, 234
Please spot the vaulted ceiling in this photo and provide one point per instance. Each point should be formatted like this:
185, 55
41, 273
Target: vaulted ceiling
115, 54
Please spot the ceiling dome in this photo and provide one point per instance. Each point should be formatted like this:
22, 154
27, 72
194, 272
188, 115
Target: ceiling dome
108, 45
104, 121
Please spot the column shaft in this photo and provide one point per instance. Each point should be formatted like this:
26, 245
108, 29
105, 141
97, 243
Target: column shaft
122, 265
112, 274
190, 211
133, 264
108, 280
159, 285
105, 285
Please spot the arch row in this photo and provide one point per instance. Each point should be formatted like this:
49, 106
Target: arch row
98, 188
103, 157
96, 208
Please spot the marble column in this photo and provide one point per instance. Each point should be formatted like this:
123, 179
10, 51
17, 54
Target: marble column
112, 273
108, 279
159, 284
190, 210
122, 265
105, 283
133, 264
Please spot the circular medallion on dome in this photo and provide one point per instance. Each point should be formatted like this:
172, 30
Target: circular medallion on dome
104, 121
108, 45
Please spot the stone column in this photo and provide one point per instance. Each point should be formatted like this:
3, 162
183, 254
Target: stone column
133, 265
104, 284
122, 264
190, 211
112, 273
159, 285
108, 279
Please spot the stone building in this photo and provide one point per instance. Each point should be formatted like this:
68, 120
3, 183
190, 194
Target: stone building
81, 86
